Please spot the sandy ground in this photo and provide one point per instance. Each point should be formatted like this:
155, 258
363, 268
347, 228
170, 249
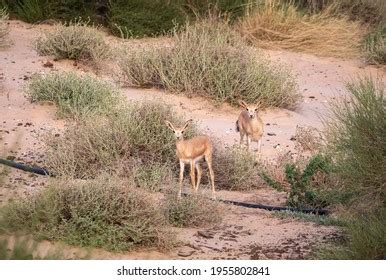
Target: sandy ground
244, 233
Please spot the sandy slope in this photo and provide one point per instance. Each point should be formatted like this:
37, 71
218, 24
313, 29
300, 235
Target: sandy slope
245, 233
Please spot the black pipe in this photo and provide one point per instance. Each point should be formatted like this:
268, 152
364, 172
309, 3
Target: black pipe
36, 170
316, 211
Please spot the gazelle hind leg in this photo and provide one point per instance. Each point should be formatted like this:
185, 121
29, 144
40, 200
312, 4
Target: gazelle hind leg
193, 175
182, 168
199, 172
208, 159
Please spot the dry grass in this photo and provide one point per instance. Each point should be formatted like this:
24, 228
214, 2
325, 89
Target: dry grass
278, 26
210, 59
76, 40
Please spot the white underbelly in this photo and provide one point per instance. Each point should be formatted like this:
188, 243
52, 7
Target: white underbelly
194, 160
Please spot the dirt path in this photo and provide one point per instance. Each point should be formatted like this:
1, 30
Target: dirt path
244, 233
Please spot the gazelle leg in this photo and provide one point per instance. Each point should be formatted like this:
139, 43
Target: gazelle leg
182, 168
259, 149
199, 172
241, 138
248, 142
192, 174
209, 162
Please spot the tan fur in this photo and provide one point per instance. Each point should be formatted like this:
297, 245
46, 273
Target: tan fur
191, 151
250, 124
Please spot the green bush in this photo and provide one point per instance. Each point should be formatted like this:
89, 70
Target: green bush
77, 40
374, 45
132, 138
357, 133
102, 213
75, 95
209, 59
192, 211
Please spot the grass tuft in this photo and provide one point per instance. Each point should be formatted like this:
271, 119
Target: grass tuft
374, 45
192, 211
75, 95
209, 59
76, 40
4, 29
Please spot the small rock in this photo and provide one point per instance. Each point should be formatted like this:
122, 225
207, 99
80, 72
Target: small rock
271, 134
204, 234
48, 64
186, 252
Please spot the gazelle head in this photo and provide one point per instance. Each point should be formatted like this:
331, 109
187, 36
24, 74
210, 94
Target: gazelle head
252, 109
178, 131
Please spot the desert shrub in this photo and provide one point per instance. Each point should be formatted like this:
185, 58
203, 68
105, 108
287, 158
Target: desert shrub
209, 59
132, 136
235, 169
365, 240
98, 213
374, 45
192, 211
357, 133
4, 29
76, 40
282, 25
75, 95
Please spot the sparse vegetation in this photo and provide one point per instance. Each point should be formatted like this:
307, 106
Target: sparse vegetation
374, 45
192, 211
209, 59
75, 95
365, 240
76, 40
104, 212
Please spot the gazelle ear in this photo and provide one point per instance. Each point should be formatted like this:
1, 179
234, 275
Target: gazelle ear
187, 124
169, 125
258, 104
243, 104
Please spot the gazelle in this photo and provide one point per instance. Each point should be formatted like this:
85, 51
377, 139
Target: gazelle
191, 151
250, 124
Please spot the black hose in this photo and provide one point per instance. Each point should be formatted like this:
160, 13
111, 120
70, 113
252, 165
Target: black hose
316, 211
36, 170
43, 171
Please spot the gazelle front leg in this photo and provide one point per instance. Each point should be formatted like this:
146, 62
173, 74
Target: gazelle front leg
241, 138
259, 149
193, 174
182, 168
199, 172
248, 142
